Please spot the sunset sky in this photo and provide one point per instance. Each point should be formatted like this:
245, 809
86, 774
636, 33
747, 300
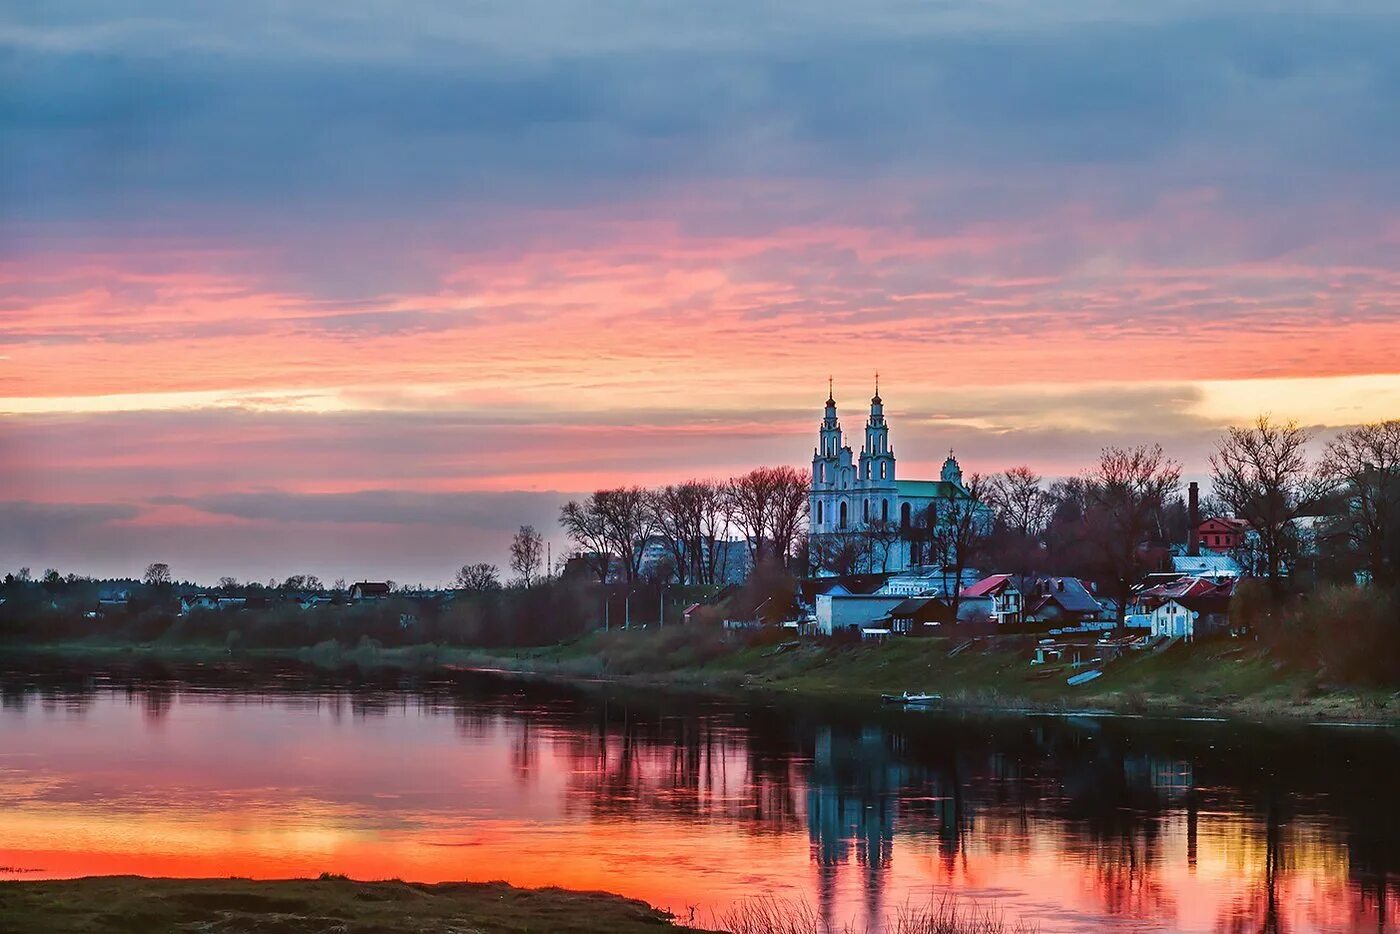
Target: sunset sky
356, 289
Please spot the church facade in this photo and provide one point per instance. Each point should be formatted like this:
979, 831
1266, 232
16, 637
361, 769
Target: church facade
861, 511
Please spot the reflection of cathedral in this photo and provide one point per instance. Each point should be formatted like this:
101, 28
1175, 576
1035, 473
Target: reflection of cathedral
852, 794
850, 495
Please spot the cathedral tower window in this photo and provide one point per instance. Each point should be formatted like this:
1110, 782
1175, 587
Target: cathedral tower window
884, 510
819, 511
904, 516
843, 514
865, 511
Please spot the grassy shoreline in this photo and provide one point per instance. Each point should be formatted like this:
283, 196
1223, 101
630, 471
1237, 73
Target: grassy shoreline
1228, 679
309, 906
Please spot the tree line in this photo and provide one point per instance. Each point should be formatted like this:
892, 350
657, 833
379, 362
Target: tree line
765, 508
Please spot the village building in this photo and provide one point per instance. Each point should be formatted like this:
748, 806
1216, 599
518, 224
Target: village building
863, 494
1062, 601
918, 616
1182, 608
994, 599
1221, 533
1188, 617
369, 590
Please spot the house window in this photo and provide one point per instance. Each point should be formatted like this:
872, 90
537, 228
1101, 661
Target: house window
843, 515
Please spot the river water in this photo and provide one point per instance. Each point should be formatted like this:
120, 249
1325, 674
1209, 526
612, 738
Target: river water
1071, 823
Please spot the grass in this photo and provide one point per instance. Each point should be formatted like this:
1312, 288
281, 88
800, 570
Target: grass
1219, 677
764, 915
303, 906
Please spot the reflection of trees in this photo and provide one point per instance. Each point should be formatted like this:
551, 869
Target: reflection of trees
1116, 798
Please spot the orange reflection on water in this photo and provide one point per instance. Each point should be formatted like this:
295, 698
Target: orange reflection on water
680, 808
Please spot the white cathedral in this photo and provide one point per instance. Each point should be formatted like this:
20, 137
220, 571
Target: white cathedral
866, 496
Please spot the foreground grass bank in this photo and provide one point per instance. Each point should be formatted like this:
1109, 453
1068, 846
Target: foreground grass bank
1228, 678
234, 906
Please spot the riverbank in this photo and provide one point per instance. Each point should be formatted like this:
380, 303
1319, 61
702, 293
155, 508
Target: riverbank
312, 906
1225, 678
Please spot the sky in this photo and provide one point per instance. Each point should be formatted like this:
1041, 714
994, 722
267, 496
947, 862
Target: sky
356, 289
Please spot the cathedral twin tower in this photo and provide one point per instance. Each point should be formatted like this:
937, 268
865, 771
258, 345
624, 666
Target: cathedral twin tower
849, 494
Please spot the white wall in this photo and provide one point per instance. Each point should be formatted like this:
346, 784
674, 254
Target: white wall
838, 611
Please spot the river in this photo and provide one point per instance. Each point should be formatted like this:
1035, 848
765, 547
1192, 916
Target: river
693, 804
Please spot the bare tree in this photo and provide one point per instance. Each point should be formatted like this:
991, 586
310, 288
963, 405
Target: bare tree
769, 506
842, 553
628, 524
1020, 501
526, 553
789, 517
1363, 464
751, 501
228, 583
587, 527
1122, 497
674, 514
157, 574
714, 516
960, 534
478, 578
1261, 473
883, 535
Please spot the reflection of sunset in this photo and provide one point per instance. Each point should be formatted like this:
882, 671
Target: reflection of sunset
696, 808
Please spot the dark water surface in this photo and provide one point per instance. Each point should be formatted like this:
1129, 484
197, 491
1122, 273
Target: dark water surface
1077, 824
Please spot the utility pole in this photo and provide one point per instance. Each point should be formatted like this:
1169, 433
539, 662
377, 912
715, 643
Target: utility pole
627, 609
607, 605
661, 609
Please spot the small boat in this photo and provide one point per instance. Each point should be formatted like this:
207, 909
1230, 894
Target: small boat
906, 698
1084, 677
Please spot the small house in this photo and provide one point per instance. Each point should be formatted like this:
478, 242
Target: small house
1061, 601
998, 596
918, 616
369, 590
1191, 616
1221, 533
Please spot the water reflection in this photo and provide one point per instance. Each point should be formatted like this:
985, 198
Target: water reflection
1078, 823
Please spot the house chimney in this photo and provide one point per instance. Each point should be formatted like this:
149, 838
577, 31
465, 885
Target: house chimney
1193, 518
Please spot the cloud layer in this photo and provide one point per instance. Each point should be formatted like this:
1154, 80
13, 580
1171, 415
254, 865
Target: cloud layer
276, 282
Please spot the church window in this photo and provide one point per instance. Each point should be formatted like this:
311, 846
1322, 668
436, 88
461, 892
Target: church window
882, 470
819, 513
843, 515
904, 516
865, 511
884, 510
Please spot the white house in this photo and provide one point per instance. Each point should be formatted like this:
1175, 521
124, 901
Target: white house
1172, 620
838, 610
1189, 617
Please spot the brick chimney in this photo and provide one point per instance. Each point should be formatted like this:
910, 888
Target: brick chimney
1193, 518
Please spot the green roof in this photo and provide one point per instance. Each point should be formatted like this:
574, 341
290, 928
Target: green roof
928, 489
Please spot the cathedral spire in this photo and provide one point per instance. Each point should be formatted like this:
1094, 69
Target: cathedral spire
830, 391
